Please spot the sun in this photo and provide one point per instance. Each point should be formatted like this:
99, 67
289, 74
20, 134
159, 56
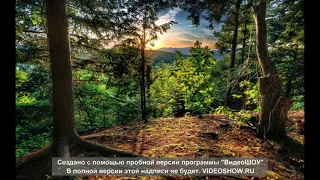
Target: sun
157, 45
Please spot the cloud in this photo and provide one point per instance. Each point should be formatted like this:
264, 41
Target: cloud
169, 16
184, 34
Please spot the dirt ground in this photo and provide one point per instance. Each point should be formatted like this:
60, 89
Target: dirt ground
207, 136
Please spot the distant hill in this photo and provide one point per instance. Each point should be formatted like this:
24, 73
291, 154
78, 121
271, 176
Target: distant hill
185, 51
159, 57
170, 49
167, 55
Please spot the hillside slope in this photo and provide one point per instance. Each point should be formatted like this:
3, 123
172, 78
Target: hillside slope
161, 57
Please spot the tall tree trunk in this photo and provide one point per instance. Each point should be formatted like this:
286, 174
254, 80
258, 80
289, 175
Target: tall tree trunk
142, 87
149, 80
274, 108
244, 41
141, 91
235, 34
63, 103
143, 64
142, 69
249, 68
229, 99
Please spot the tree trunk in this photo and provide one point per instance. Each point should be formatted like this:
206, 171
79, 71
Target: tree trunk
274, 108
261, 38
142, 68
142, 88
149, 81
244, 41
229, 100
269, 91
63, 105
235, 35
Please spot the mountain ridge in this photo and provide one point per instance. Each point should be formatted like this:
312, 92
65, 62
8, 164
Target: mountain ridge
185, 51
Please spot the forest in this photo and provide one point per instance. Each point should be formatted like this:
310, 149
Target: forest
89, 82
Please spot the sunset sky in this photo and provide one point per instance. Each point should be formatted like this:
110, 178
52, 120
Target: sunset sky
184, 34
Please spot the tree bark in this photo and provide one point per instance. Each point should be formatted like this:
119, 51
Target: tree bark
244, 41
274, 108
149, 81
142, 87
63, 103
229, 100
142, 69
269, 91
259, 12
235, 35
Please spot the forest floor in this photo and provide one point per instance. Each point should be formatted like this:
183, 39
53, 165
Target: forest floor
207, 136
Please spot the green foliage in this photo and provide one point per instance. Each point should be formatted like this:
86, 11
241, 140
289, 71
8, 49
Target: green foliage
101, 99
23, 98
251, 92
165, 91
99, 105
225, 110
33, 108
191, 84
106, 81
128, 110
286, 38
241, 116
30, 142
298, 103
237, 96
21, 77
159, 58
225, 36
33, 126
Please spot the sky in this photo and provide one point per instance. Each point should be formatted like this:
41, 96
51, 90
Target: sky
184, 34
